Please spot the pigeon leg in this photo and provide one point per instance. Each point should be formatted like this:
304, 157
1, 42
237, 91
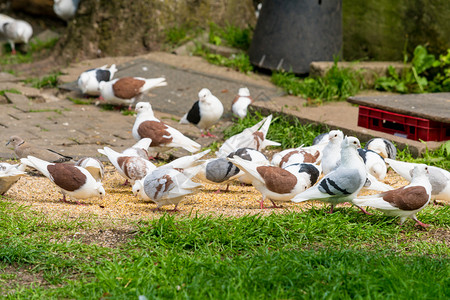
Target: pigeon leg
261, 203
126, 182
418, 223
364, 211
228, 186
331, 209
275, 205
175, 209
210, 134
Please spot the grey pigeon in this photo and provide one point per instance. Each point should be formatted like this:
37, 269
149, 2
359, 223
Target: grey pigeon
23, 149
344, 183
218, 170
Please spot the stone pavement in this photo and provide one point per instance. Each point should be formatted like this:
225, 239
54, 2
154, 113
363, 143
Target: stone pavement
48, 119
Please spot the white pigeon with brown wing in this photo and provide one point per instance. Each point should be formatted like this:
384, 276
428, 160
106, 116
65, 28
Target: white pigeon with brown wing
128, 90
403, 202
163, 136
74, 181
275, 183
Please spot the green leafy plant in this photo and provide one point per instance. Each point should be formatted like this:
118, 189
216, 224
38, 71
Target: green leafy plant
425, 74
230, 35
49, 81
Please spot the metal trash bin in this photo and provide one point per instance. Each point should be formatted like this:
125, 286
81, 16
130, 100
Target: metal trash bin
290, 34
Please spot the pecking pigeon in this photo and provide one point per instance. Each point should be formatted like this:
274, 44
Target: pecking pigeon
241, 102
89, 80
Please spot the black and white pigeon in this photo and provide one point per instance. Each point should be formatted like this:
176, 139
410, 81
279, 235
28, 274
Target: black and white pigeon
167, 185
275, 183
74, 181
128, 90
23, 149
403, 202
344, 183
241, 102
92, 165
332, 152
10, 174
65, 9
15, 31
383, 147
374, 162
438, 177
89, 80
253, 137
163, 136
205, 112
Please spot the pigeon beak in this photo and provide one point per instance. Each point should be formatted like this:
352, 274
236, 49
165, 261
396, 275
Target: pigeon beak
8, 143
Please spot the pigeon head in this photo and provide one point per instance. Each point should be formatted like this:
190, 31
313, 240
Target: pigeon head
204, 94
15, 141
419, 170
244, 92
335, 136
138, 187
351, 141
100, 190
143, 107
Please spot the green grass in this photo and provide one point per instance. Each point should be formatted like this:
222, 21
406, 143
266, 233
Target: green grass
48, 81
231, 36
238, 62
337, 85
439, 157
34, 47
285, 256
13, 91
80, 101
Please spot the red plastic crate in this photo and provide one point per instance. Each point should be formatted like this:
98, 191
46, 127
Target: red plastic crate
402, 125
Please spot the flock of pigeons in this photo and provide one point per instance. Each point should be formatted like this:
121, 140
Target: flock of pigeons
290, 175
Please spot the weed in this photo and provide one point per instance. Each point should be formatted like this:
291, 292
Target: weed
13, 91
80, 101
230, 36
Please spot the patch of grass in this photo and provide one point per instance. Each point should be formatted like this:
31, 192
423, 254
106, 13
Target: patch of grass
439, 157
231, 36
33, 47
337, 85
239, 62
291, 255
48, 81
13, 91
58, 111
289, 132
80, 101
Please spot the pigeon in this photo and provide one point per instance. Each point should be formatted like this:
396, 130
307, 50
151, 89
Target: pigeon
252, 155
241, 102
218, 170
127, 90
16, 31
275, 183
374, 162
253, 137
74, 181
439, 178
65, 9
205, 112
188, 161
89, 80
93, 166
344, 183
9, 174
166, 186
406, 201
131, 167
383, 147
163, 136
139, 149
312, 154
331, 153
23, 149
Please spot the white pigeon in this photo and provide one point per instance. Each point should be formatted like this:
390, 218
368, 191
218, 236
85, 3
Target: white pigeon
74, 181
332, 152
374, 162
253, 137
93, 165
140, 148
188, 161
9, 174
89, 80
252, 155
131, 167
344, 183
128, 90
312, 154
241, 102
205, 112
65, 9
383, 147
163, 136
16, 31
166, 186
406, 201
275, 183
439, 178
